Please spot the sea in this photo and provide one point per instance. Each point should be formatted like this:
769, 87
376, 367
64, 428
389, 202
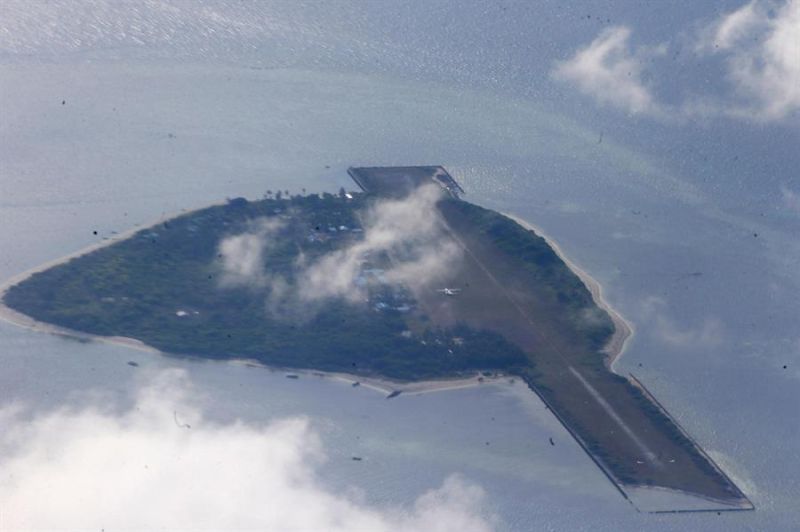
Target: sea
117, 116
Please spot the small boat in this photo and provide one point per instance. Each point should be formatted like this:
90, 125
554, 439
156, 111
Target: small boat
355, 384
357, 458
292, 376
394, 393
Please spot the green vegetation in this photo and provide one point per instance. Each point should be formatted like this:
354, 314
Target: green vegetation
519, 309
162, 286
541, 268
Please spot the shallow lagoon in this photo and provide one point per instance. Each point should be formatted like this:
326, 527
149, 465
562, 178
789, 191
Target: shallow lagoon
710, 347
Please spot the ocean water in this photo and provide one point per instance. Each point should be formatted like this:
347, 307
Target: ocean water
698, 252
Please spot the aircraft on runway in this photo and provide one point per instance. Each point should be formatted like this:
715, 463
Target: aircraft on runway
449, 291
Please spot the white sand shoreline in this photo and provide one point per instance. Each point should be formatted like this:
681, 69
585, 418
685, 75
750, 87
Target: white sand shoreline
623, 329
10, 315
387, 386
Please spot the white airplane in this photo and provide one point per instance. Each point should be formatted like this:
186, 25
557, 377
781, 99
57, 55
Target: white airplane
449, 291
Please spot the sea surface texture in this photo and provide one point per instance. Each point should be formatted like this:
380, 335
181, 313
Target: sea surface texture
114, 115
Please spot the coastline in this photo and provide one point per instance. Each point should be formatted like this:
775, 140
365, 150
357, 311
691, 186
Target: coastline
623, 329
381, 385
384, 385
614, 348
387, 387
19, 319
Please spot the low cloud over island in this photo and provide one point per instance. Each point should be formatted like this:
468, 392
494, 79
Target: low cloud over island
409, 229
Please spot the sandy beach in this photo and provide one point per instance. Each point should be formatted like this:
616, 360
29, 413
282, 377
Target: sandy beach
623, 329
383, 386
615, 347
22, 320
387, 386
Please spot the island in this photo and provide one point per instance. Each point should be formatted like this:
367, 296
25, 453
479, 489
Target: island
402, 280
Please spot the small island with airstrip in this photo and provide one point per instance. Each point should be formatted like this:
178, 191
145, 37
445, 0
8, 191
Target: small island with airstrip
403, 281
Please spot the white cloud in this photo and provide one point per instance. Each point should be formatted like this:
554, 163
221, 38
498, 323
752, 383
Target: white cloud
610, 71
761, 46
144, 469
758, 44
791, 199
711, 333
409, 229
733, 27
243, 255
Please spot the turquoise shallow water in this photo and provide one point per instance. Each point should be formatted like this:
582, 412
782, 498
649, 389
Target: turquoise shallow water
144, 138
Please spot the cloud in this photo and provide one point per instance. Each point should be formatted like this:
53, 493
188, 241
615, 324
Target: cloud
758, 45
144, 469
710, 334
243, 255
791, 199
610, 71
761, 46
732, 27
409, 230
